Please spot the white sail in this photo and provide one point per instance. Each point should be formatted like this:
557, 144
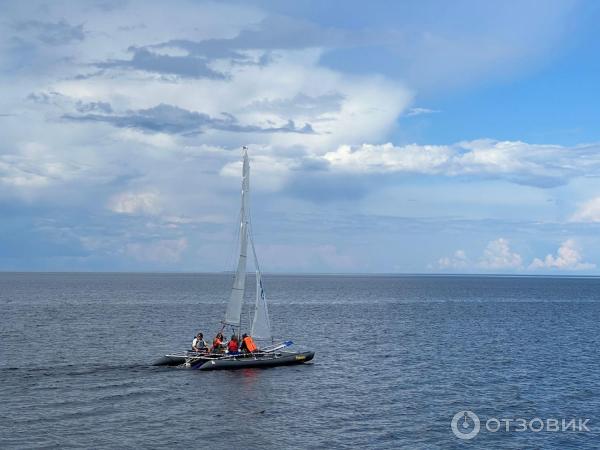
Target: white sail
234, 307
261, 327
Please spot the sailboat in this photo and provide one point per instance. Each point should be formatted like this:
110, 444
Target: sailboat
273, 354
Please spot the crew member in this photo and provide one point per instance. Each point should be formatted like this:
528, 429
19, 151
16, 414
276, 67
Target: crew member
248, 344
199, 344
217, 345
232, 346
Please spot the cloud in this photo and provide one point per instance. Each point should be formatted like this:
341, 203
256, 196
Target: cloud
144, 59
415, 46
301, 104
568, 257
102, 107
137, 125
588, 211
52, 33
291, 102
274, 32
35, 167
135, 203
420, 111
457, 261
253, 45
543, 166
172, 119
431, 53
498, 255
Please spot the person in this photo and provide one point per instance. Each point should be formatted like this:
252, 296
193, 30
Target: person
218, 343
248, 344
232, 346
199, 344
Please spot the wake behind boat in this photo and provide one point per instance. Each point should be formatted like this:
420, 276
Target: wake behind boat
271, 355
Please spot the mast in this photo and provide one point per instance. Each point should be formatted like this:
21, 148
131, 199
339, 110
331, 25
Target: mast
233, 315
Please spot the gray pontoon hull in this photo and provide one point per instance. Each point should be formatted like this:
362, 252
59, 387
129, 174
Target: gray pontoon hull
177, 360
169, 361
261, 361
218, 362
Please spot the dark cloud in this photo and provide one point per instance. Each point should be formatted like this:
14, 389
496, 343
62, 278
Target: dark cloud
101, 107
273, 33
85, 76
46, 98
50, 33
174, 120
161, 118
184, 66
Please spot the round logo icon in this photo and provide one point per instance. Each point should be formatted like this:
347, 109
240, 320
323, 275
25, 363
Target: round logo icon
465, 425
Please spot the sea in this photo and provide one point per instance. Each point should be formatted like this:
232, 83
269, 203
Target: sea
511, 362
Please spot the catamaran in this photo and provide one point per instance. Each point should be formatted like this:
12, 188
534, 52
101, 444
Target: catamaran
270, 355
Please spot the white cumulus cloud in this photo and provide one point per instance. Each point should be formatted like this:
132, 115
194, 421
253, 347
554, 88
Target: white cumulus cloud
588, 211
568, 257
515, 161
458, 260
498, 255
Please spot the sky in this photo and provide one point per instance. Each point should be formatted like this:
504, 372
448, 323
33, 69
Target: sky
384, 137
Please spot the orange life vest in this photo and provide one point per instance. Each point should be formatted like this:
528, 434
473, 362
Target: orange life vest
232, 346
250, 345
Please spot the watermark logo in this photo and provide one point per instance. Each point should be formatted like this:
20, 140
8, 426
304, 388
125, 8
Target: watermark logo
465, 425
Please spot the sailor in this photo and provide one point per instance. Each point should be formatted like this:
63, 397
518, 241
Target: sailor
248, 344
218, 342
232, 345
198, 344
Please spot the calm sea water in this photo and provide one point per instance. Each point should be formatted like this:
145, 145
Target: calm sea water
396, 358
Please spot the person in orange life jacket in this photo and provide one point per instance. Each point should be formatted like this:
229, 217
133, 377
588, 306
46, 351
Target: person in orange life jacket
218, 343
232, 346
248, 344
198, 344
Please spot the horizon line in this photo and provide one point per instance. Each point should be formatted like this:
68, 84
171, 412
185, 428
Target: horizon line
345, 274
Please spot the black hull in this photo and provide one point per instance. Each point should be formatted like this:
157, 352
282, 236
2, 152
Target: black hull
260, 361
169, 361
177, 360
243, 361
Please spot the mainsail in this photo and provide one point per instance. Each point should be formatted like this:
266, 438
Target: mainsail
234, 307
